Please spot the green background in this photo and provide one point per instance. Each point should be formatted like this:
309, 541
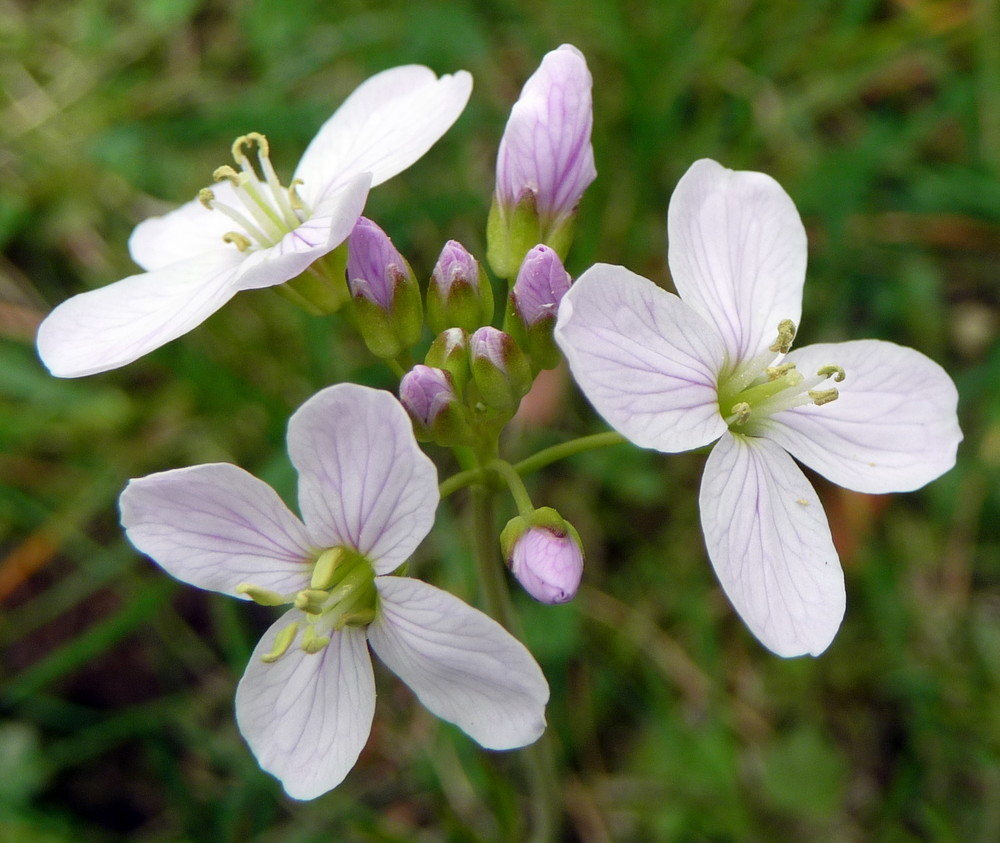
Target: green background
670, 722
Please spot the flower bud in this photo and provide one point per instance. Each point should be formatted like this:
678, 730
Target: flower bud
450, 351
500, 368
534, 302
459, 293
544, 553
429, 397
544, 163
386, 294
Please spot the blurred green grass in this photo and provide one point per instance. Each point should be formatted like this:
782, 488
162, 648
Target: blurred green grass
881, 119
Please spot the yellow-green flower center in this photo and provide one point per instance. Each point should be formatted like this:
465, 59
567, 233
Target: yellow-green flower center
761, 386
341, 593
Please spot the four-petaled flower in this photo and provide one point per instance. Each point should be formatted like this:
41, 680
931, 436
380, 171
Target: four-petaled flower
676, 373
368, 497
249, 232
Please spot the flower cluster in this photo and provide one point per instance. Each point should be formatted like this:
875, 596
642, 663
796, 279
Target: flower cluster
713, 365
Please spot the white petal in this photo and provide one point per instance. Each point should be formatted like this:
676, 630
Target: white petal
363, 481
331, 223
114, 325
770, 545
187, 231
463, 666
893, 428
645, 360
216, 526
737, 252
307, 716
383, 127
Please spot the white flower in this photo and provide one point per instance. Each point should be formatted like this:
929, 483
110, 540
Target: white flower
248, 231
368, 496
679, 373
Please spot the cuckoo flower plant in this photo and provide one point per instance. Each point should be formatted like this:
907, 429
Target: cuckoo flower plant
368, 497
715, 365
248, 231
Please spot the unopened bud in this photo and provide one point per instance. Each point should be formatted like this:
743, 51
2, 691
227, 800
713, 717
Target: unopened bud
545, 162
459, 293
534, 303
386, 294
429, 398
500, 368
544, 553
450, 351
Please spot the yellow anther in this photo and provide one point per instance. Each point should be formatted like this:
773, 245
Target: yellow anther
823, 396
325, 565
311, 600
281, 643
786, 333
741, 411
776, 372
206, 196
248, 140
836, 372
311, 642
226, 173
241, 241
263, 596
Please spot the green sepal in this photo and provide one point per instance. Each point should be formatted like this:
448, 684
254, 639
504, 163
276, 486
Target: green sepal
503, 388
450, 352
537, 340
322, 289
511, 233
388, 333
467, 306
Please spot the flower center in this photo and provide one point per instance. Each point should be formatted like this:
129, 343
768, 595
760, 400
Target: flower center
269, 210
761, 386
341, 593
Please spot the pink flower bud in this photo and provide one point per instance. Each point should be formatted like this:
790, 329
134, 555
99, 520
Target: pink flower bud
541, 283
548, 563
374, 265
454, 264
546, 147
425, 392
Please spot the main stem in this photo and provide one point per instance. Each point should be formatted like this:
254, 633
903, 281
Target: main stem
538, 759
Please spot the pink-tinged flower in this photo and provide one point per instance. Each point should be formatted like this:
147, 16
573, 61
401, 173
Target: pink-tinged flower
248, 231
541, 283
675, 373
459, 293
548, 562
375, 268
545, 161
368, 496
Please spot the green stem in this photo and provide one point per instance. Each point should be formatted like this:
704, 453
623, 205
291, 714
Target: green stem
515, 484
543, 458
568, 449
538, 759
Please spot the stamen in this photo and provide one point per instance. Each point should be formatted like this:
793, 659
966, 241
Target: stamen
226, 173
206, 196
823, 396
241, 241
776, 372
312, 600
836, 372
741, 411
786, 333
312, 641
263, 596
281, 643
